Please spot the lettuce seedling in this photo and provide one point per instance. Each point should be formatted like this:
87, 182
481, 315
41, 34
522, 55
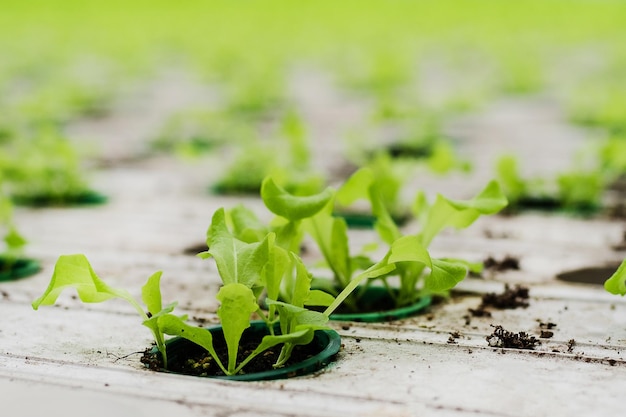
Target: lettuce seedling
246, 269
575, 190
417, 271
45, 170
75, 271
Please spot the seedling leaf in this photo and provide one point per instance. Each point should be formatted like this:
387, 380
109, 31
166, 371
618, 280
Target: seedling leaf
291, 207
616, 284
75, 271
356, 187
409, 249
175, 326
151, 293
319, 298
444, 275
237, 261
460, 214
237, 304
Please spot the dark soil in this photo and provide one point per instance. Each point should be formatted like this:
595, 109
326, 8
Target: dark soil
453, 337
196, 361
511, 298
504, 339
546, 330
507, 263
570, 345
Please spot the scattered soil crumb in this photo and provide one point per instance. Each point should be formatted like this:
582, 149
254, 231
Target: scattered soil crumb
345, 327
5, 295
504, 339
511, 298
570, 345
546, 329
489, 234
453, 337
200, 320
507, 263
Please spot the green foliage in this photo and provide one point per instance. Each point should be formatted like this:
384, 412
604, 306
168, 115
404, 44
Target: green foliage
237, 303
616, 284
578, 190
14, 242
612, 155
418, 272
244, 268
581, 190
43, 169
256, 161
75, 271
412, 264
193, 132
514, 185
376, 182
291, 207
460, 213
600, 106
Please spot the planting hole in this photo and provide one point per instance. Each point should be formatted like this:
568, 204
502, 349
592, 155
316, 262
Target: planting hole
595, 275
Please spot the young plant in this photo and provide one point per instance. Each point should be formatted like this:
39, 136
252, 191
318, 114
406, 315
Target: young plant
259, 160
417, 271
422, 273
412, 264
577, 190
44, 170
194, 132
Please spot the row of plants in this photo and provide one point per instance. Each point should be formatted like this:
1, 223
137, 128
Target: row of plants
479, 57
265, 279
261, 265
580, 190
471, 51
274, 310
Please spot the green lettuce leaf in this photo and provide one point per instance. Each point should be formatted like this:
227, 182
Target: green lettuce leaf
74, 271
292, 207
616, 284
